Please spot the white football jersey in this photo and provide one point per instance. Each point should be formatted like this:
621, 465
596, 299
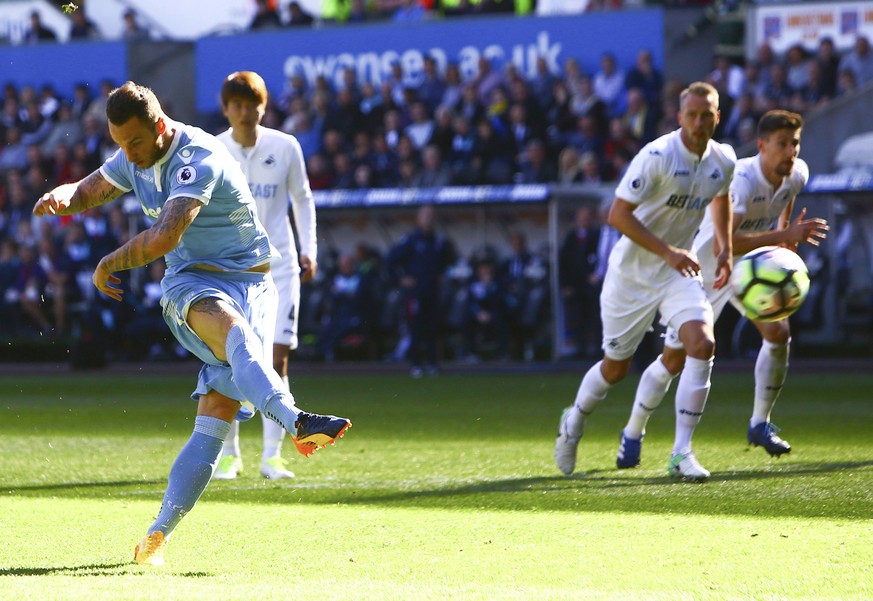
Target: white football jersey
672, 188
276, 174
756, 206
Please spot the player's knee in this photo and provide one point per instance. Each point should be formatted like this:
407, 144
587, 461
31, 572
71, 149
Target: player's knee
777, 332
673, 360
215, 404
613, 370
700, 347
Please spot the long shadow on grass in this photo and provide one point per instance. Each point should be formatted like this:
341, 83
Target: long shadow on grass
751, 492
73, 487
97, 569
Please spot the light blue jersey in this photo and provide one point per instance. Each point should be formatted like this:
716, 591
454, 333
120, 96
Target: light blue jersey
226, 233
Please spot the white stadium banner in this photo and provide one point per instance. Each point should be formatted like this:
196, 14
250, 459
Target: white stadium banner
784, 25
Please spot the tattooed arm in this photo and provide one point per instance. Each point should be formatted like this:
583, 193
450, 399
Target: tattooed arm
147, 246
68, 199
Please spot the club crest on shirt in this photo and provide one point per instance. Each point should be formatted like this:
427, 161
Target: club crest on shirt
270, 161
186, 175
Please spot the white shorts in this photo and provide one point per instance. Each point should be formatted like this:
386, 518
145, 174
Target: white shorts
287, 282
628, 309
719, 300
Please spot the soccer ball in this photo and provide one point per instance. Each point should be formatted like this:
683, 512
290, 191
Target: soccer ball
770, 282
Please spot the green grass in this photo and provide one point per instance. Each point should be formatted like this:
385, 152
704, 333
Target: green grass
443, 489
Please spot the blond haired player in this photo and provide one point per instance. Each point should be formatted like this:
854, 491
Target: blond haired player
762, 194
660, 202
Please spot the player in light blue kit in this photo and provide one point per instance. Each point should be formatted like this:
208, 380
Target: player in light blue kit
219, 298
762, 194
273, 164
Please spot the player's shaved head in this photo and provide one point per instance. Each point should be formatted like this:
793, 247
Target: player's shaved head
132, 100
246, 85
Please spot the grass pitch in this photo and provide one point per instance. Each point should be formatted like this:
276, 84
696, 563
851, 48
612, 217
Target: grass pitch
444, 488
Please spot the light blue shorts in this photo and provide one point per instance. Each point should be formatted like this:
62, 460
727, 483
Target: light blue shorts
253, 295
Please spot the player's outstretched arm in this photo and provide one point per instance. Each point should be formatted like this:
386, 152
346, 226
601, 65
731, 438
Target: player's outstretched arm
812, 231
69, 199
147, 246
622, 218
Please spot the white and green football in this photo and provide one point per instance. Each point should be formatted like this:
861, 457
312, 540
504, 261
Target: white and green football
770, 282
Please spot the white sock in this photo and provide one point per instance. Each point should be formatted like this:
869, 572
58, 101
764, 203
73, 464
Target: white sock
274, 434
771, 369
691, 394
231, 442
592, 390
653, 386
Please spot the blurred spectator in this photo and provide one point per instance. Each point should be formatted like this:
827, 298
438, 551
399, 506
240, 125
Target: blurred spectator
727, 76
358, 13
61, 286
586, 137
796, 63
81, 100
859, 61
485, 325
812, 95
9, 267
469, 105
132, 31
421, 128
533, 167
418, 263
265, 17
743, 110
776, 93
492, 160
829, 60
147, 327
846, 83
453, 86
461, 156
65, 131
569, 166
542, 84
318, 170
29, 288
609, 84
343, 308
83, 28
431, 88
38, 32
586, 103
576, 265
640, 118
14, 154
434, 173
645, 76
298, 17
524, 277
592, 171
486, 79
409, 11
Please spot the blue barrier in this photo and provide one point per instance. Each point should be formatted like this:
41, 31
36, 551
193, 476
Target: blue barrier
394, 197
372, 49
65, 65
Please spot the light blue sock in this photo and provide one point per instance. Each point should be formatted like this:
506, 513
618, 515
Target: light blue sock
191, 471
261, 385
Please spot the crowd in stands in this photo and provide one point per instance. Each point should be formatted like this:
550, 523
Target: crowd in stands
494, 127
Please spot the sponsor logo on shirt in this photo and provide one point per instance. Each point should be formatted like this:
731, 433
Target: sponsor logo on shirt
759, 199
685, 201
681, 173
